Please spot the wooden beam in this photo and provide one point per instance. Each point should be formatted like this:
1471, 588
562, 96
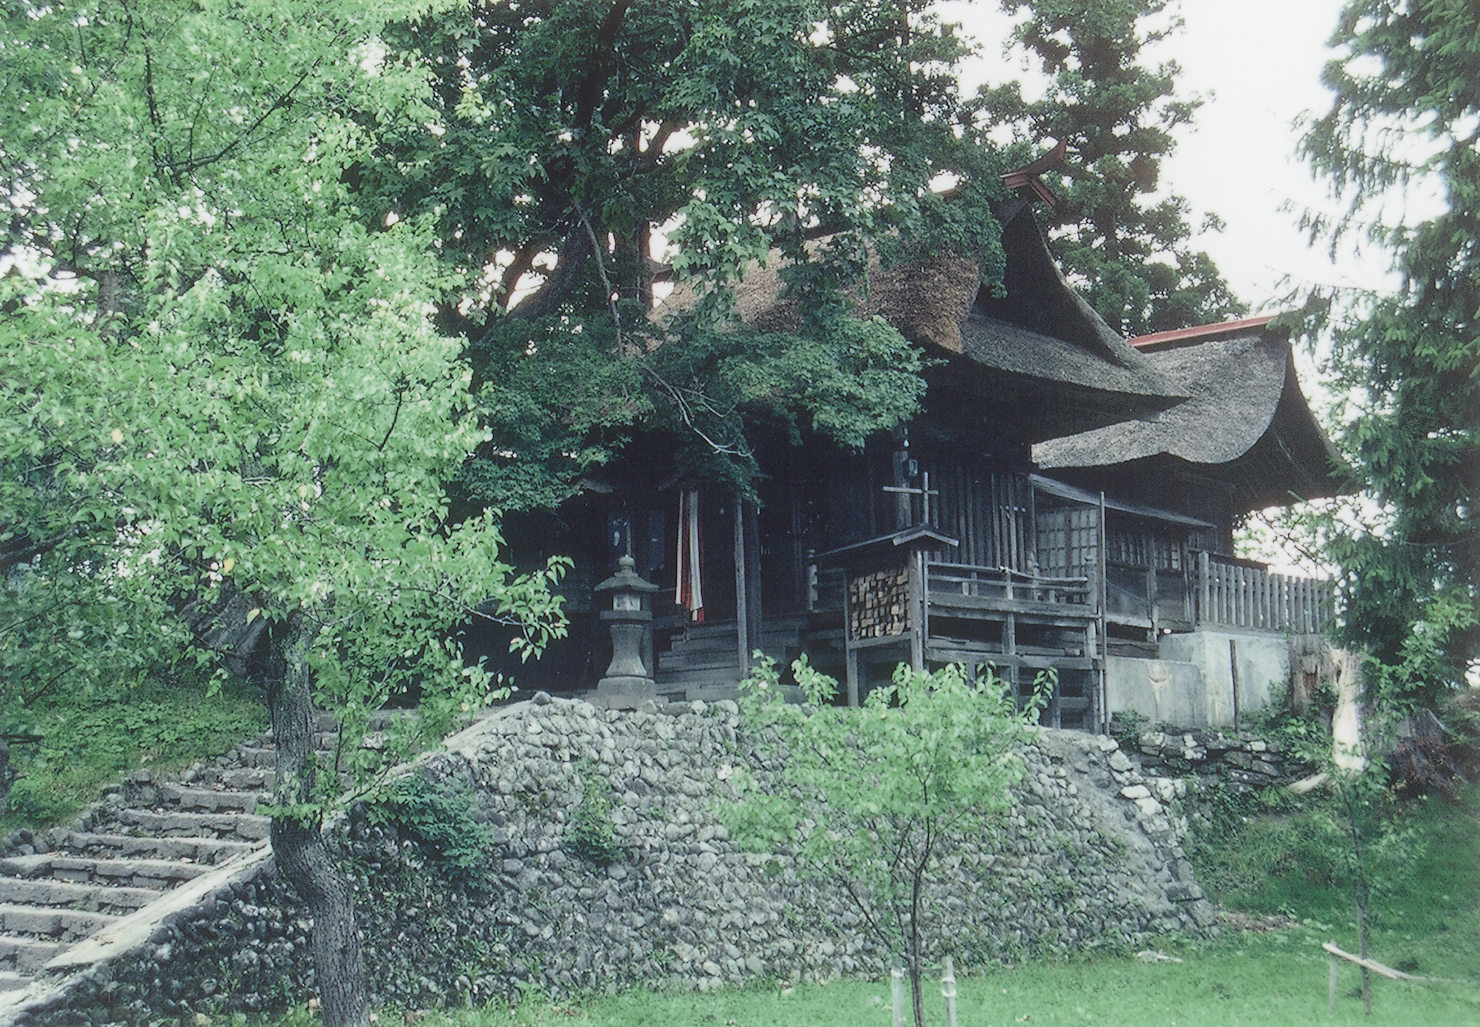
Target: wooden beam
1385, 971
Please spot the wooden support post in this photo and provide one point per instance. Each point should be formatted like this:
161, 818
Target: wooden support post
850, 654
1152, 607
1233, 673
1204, 594
1332, 986
742, 607
750, 529
917, 604
1102, 602
897, 980
855, 672
948, 990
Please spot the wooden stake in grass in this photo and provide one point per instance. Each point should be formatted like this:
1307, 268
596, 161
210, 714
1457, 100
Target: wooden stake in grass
897, 976
1373, 965
1333, 983
948, 990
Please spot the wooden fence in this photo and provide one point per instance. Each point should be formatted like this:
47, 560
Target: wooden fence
1240, 596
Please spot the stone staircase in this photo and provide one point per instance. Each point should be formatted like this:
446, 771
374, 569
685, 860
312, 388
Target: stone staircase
146, 839
703, 661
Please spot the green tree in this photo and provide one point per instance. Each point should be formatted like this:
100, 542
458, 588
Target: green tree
226, 419
873, 798
586, 153
1122, 240
1404, 122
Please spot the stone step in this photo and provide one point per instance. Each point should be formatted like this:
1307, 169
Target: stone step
261, 755
27, 955
712, 692
679, 680
197, 850
42, 891
10, 981
256, 757
210, 800
689, 659
234, 826
49, 922
232, 777
153, 874
258, 779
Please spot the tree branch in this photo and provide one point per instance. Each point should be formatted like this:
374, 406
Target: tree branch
606, 283
594, 84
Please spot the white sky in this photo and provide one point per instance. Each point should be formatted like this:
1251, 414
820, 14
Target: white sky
1257, 65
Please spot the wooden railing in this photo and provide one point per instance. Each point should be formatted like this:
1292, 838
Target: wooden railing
958, 579
1224, 593
1248, 597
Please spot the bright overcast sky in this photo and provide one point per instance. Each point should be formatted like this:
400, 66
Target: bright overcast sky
1257, 65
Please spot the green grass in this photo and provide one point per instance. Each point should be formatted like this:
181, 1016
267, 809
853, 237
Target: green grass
90, 741
1254, 980
1426, 907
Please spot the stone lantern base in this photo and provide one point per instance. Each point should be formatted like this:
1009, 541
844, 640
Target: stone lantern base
625, 693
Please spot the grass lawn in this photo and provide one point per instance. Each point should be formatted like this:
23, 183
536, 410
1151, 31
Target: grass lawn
1264, 979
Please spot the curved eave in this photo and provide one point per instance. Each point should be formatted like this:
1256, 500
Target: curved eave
1236, 387
1268, 453
1042, 404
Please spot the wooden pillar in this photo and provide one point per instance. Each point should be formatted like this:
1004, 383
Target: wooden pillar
750, 523
1152, 606
1233, 673
904, 515
850, 652
1204, 593
917, 603
747, 582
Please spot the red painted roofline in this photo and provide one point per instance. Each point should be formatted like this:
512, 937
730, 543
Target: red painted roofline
1203, 333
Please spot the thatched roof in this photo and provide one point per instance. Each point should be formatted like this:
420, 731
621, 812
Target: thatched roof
1042, 332
1247, 420
926, 300
1021, 351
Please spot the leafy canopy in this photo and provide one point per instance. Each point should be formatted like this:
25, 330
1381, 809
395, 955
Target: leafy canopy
221, 393
1121, 239
582, 157
1405, 121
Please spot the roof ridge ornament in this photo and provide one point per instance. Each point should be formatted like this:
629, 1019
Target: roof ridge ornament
1024, 180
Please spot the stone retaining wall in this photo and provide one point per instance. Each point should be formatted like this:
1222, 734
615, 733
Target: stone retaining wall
1237, 761
1089, 856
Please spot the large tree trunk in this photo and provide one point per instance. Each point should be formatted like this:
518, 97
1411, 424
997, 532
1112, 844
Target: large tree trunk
298, 843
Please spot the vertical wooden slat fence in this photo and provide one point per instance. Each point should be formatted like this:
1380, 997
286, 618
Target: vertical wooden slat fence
1240, 596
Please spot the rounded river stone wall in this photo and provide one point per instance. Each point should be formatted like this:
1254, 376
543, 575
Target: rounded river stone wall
604, 864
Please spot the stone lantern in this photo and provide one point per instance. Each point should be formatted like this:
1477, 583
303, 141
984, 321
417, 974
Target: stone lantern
627, 682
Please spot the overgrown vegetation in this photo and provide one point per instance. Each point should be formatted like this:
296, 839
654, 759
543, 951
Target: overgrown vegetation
90, 739
440, 817
1350, 851
590, 835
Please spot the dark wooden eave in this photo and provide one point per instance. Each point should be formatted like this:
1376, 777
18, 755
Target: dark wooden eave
920, 536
